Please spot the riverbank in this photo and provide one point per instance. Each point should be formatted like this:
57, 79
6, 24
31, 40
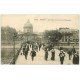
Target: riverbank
11, 46
7, 53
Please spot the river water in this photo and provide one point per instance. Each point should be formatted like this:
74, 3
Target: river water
7, 54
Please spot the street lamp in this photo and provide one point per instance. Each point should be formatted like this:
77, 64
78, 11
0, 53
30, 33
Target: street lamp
69, 41
57, 42
14, 36
49, 38
21, 39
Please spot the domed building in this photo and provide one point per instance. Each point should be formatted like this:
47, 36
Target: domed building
28, 28
28, 33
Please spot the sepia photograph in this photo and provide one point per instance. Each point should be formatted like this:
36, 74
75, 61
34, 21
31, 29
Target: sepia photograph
40, 39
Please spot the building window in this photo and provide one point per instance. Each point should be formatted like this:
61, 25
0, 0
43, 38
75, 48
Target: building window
66, 40
62, 39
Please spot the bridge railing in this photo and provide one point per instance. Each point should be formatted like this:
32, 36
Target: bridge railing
14, 58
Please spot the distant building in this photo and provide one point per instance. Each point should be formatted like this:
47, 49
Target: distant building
28, 28
70, 36
28, 34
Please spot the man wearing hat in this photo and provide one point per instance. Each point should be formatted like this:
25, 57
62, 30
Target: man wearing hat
62, 55
52, 54
33, 54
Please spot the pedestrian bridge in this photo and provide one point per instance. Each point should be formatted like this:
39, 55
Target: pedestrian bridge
39, 59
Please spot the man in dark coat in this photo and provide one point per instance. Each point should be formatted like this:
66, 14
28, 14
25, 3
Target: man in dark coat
24, 50
36, 48
39, 47
73, 50
46, 54
76, 58
28, 47
70, 54
62, 55
53, 54
26, 53
33, 54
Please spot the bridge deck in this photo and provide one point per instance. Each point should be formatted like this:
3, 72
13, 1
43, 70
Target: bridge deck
39, 59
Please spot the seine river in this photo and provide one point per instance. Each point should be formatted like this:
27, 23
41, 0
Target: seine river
7, 54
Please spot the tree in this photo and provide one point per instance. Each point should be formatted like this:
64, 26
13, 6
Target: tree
52, 37
7, 34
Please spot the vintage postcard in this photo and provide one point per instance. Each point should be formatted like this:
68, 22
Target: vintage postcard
51, 39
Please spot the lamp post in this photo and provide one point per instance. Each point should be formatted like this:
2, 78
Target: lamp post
57, 42
69, 41
21, 39
49, 39
14, 35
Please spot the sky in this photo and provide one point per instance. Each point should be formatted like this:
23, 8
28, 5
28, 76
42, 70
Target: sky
40, 22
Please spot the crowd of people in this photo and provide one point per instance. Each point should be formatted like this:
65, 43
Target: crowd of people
34, 48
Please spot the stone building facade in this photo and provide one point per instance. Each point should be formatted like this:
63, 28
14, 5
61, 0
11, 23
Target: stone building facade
70, 36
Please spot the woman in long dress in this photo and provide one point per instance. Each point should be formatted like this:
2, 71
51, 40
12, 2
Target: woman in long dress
53, 54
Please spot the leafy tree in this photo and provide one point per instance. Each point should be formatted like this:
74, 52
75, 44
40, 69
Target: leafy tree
7, 34
52, 36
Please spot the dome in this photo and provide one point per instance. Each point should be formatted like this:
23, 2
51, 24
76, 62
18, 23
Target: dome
28, 28
28, 24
